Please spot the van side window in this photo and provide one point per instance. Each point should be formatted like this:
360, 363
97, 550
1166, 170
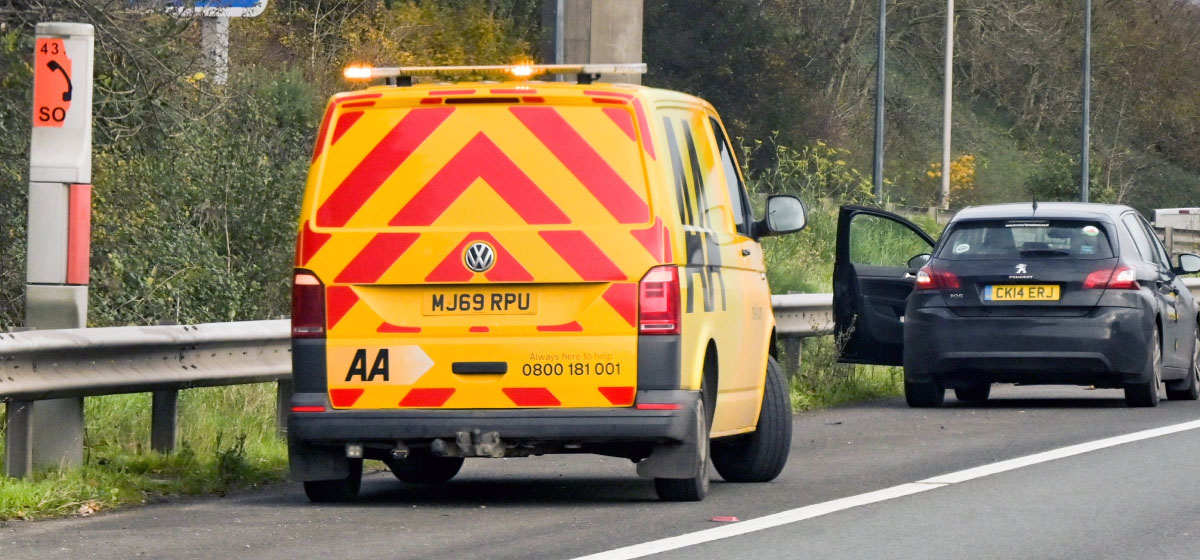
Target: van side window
733, 179
1139, 237
701, 202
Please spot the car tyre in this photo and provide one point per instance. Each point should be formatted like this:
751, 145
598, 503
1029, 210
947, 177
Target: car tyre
973, 393
1188, 389
926, 394
336, 490
423, 468
695, 488
760, 455
1144, 394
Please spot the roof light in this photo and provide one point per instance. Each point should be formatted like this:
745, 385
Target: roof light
364, 72
358, 72
522, 70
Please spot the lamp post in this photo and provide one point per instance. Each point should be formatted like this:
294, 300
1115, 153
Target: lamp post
877, 171
1085, 148
947, 106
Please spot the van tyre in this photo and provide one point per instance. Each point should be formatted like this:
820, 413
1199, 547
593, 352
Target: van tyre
973, 393
925, 394
760, 456
1144, 394
423, 468
695, 488
336, 490
1187, 389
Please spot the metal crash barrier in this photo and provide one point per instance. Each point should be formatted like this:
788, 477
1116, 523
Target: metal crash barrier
38, 365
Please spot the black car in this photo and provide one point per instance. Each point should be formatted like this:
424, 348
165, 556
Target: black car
1050, 293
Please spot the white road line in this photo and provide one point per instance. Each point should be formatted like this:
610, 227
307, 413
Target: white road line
825, 508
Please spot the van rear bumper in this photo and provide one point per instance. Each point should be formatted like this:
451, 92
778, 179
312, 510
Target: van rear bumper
582, 425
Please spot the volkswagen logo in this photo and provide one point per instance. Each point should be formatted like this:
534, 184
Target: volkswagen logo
479, 256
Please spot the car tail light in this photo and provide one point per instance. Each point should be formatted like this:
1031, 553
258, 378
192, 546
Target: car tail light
658, 301
1120, 278
929, 278
308, 305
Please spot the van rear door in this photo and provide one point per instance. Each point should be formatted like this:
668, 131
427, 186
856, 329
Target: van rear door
481, 247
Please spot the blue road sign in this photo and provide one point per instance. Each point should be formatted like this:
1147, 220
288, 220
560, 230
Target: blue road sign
213, 8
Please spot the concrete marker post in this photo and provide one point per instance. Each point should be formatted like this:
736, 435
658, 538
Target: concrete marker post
60, 170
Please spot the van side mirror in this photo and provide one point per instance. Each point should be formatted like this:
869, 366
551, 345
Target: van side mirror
785, 214
1188, 264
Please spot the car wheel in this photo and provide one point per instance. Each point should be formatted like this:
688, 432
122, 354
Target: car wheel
1145, 393
1189, 388
760, 455
695, 488
423, 468
973, 393
336, 490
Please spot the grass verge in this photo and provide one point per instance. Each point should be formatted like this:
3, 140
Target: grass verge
821, 382
226, 441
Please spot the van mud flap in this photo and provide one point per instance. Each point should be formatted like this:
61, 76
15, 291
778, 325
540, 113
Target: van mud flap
683, 459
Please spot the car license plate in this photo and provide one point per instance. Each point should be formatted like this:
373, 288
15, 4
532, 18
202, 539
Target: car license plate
1020, 292
479, 303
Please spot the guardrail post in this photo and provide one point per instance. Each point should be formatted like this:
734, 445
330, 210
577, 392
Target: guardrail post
164, 419
18, 438
794, 348
283, 403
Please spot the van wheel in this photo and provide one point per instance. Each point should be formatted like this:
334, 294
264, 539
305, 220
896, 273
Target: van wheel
761, 455
695, 488
1145, 394
929, 394
1189, 388
423, 468
973, 393
336, 490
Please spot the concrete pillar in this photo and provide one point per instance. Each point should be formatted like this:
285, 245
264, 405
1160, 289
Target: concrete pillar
596, 31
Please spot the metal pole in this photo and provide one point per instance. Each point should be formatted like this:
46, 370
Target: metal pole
947, 106
877, 171
559, 21
1085, 148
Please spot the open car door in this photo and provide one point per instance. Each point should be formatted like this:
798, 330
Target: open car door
872, 280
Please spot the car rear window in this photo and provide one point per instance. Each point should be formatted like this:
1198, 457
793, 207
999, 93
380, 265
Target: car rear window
1001, 239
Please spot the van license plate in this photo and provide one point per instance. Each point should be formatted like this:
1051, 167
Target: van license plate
479, 303
1016, 292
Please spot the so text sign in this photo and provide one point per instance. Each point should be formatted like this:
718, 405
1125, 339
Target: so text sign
61, 149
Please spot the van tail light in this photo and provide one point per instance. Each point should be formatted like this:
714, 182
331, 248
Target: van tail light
1120, 278
929, 278
658, 301
308, 305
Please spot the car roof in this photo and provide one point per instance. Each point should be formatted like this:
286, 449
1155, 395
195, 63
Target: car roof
1043, 210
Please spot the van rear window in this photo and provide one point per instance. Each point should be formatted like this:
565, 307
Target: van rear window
481, 167
1003, 239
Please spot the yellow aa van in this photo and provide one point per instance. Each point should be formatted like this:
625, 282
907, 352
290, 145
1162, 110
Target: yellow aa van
505, 269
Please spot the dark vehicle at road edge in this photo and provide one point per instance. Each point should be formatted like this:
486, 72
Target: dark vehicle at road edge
1051, 293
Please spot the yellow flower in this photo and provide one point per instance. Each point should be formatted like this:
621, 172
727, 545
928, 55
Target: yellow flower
198, 76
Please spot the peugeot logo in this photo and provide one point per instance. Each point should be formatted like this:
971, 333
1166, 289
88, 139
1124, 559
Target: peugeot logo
479, 256
1021, 269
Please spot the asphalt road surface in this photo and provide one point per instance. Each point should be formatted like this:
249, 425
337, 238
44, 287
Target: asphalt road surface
1140, 499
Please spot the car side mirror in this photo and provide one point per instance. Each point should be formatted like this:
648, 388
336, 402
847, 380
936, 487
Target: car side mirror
785, 214
1188, 263
918, 261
